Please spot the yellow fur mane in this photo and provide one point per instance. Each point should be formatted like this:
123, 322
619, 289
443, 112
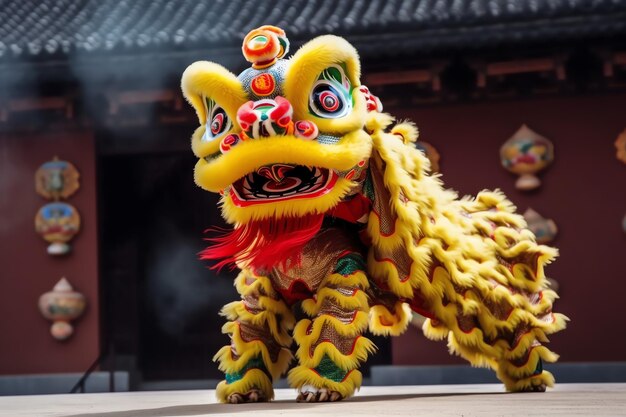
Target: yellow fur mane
460, 255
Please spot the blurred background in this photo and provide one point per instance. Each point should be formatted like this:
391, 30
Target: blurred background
96, 83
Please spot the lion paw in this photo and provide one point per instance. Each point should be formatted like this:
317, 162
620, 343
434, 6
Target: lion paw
312, 394
252, 396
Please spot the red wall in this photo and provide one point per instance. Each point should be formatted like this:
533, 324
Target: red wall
27, 271
584, 192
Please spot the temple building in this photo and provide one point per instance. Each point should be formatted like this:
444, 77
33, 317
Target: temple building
97, 84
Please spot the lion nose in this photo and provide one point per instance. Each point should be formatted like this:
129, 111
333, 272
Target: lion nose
267, 117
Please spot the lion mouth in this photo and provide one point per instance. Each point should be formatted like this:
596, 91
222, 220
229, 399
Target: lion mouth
280, 182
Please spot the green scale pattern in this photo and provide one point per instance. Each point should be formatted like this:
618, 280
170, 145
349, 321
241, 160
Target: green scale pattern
539, 368
368, 186
349, 264
329, 370
254, 363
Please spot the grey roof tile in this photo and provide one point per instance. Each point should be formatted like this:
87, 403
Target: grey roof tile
42, 28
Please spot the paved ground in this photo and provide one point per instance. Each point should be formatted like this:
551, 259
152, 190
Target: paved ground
427, 400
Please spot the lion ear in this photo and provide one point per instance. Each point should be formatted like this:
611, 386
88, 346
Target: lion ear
205, 79
216, 94
311, 60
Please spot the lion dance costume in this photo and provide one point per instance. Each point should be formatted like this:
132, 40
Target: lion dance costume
336, 217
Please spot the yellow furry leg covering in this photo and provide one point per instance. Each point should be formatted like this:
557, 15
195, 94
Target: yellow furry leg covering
501, 319
259, 329
472, 262
389, 316
331, 346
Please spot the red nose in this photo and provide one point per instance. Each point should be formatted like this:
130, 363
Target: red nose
282, 113
246, 115
265, 117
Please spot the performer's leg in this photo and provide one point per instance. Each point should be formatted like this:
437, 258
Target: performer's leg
259, 350
331, 346
501, 316
498, 326
520, 366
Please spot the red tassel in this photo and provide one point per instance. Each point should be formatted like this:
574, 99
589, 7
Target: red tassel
263, 244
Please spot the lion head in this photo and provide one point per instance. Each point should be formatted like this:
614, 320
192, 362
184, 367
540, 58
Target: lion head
285, 138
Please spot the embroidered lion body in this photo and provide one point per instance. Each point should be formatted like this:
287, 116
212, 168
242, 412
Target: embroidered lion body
336, 215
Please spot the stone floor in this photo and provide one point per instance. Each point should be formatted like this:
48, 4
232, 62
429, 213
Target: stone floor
427, 400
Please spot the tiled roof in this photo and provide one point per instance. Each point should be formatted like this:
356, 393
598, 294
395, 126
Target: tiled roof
45, 28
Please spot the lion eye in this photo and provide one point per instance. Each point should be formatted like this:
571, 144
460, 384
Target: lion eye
218, 121
327, 102
331, 95
217, 125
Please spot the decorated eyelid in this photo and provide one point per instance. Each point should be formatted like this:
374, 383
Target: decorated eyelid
331, 94
217, 121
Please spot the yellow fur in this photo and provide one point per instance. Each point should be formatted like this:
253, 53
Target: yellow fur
357, 301
358, 324
407, 130
279, 330
248, 351
435, 332
518, 372
229, 364
211, 80
291, 208
301, 375
389, 323
251, 154
305, 67
248, 283
525, 384
430, 226
254, 378
472, 261
356, 279
362, 348
275, 314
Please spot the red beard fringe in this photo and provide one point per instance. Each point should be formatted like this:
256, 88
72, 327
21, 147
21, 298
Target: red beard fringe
263, 244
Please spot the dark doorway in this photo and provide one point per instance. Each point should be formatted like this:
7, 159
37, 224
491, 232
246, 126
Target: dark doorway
160, 303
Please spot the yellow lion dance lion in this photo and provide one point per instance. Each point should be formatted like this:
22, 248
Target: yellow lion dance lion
336, 218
